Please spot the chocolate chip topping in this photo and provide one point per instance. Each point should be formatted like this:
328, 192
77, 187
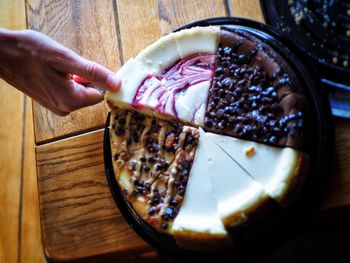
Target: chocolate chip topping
254, 94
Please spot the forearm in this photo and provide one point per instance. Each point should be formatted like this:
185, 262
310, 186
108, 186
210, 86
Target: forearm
9, 55
44, 69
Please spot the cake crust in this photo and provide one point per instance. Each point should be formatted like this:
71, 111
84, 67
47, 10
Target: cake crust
297, 180
203, 241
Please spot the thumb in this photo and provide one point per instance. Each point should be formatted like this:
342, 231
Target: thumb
93, 73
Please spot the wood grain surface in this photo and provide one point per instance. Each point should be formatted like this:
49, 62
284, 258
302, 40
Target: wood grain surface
78, 211
12, 16
79, 216
87, 27
31, 249
338, 192
138, 25
152, 19
10, 170
250, 9
91, 28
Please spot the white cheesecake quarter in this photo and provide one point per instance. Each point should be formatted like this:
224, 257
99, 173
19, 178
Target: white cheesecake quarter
237, 194
273, 167
198, 213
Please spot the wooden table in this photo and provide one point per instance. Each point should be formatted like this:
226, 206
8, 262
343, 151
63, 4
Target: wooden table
78, 216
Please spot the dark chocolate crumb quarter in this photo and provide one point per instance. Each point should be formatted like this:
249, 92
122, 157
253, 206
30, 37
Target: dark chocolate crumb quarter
255, 94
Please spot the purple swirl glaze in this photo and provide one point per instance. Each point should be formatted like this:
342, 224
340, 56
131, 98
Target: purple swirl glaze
161, 91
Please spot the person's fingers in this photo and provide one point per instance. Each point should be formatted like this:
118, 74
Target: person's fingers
82, 96
58, 112
67, 95
80, 80
88, 95
91, 72
98, 75
53, 109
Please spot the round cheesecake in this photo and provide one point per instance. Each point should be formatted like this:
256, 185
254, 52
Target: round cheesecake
207, 135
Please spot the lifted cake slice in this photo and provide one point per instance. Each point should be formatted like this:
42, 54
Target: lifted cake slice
132, 75
198, 225
279, 170
170, 79
241, 200
179, 93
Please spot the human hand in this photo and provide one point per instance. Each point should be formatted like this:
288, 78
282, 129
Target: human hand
51, 74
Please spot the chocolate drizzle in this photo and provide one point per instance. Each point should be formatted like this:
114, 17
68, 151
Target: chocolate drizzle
158, 156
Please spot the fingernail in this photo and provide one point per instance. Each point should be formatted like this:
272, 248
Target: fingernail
113, 82
80, 80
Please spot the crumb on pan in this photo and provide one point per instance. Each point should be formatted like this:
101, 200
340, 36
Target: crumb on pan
249, 151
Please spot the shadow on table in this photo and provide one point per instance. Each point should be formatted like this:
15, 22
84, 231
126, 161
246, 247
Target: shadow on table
325, 239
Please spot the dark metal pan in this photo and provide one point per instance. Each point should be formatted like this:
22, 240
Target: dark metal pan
272, 232
321, 36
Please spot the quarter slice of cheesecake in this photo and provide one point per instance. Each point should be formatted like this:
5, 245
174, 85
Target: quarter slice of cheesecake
152, 160
279, 170
198, 225
170, 79
241, 200
255, 94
